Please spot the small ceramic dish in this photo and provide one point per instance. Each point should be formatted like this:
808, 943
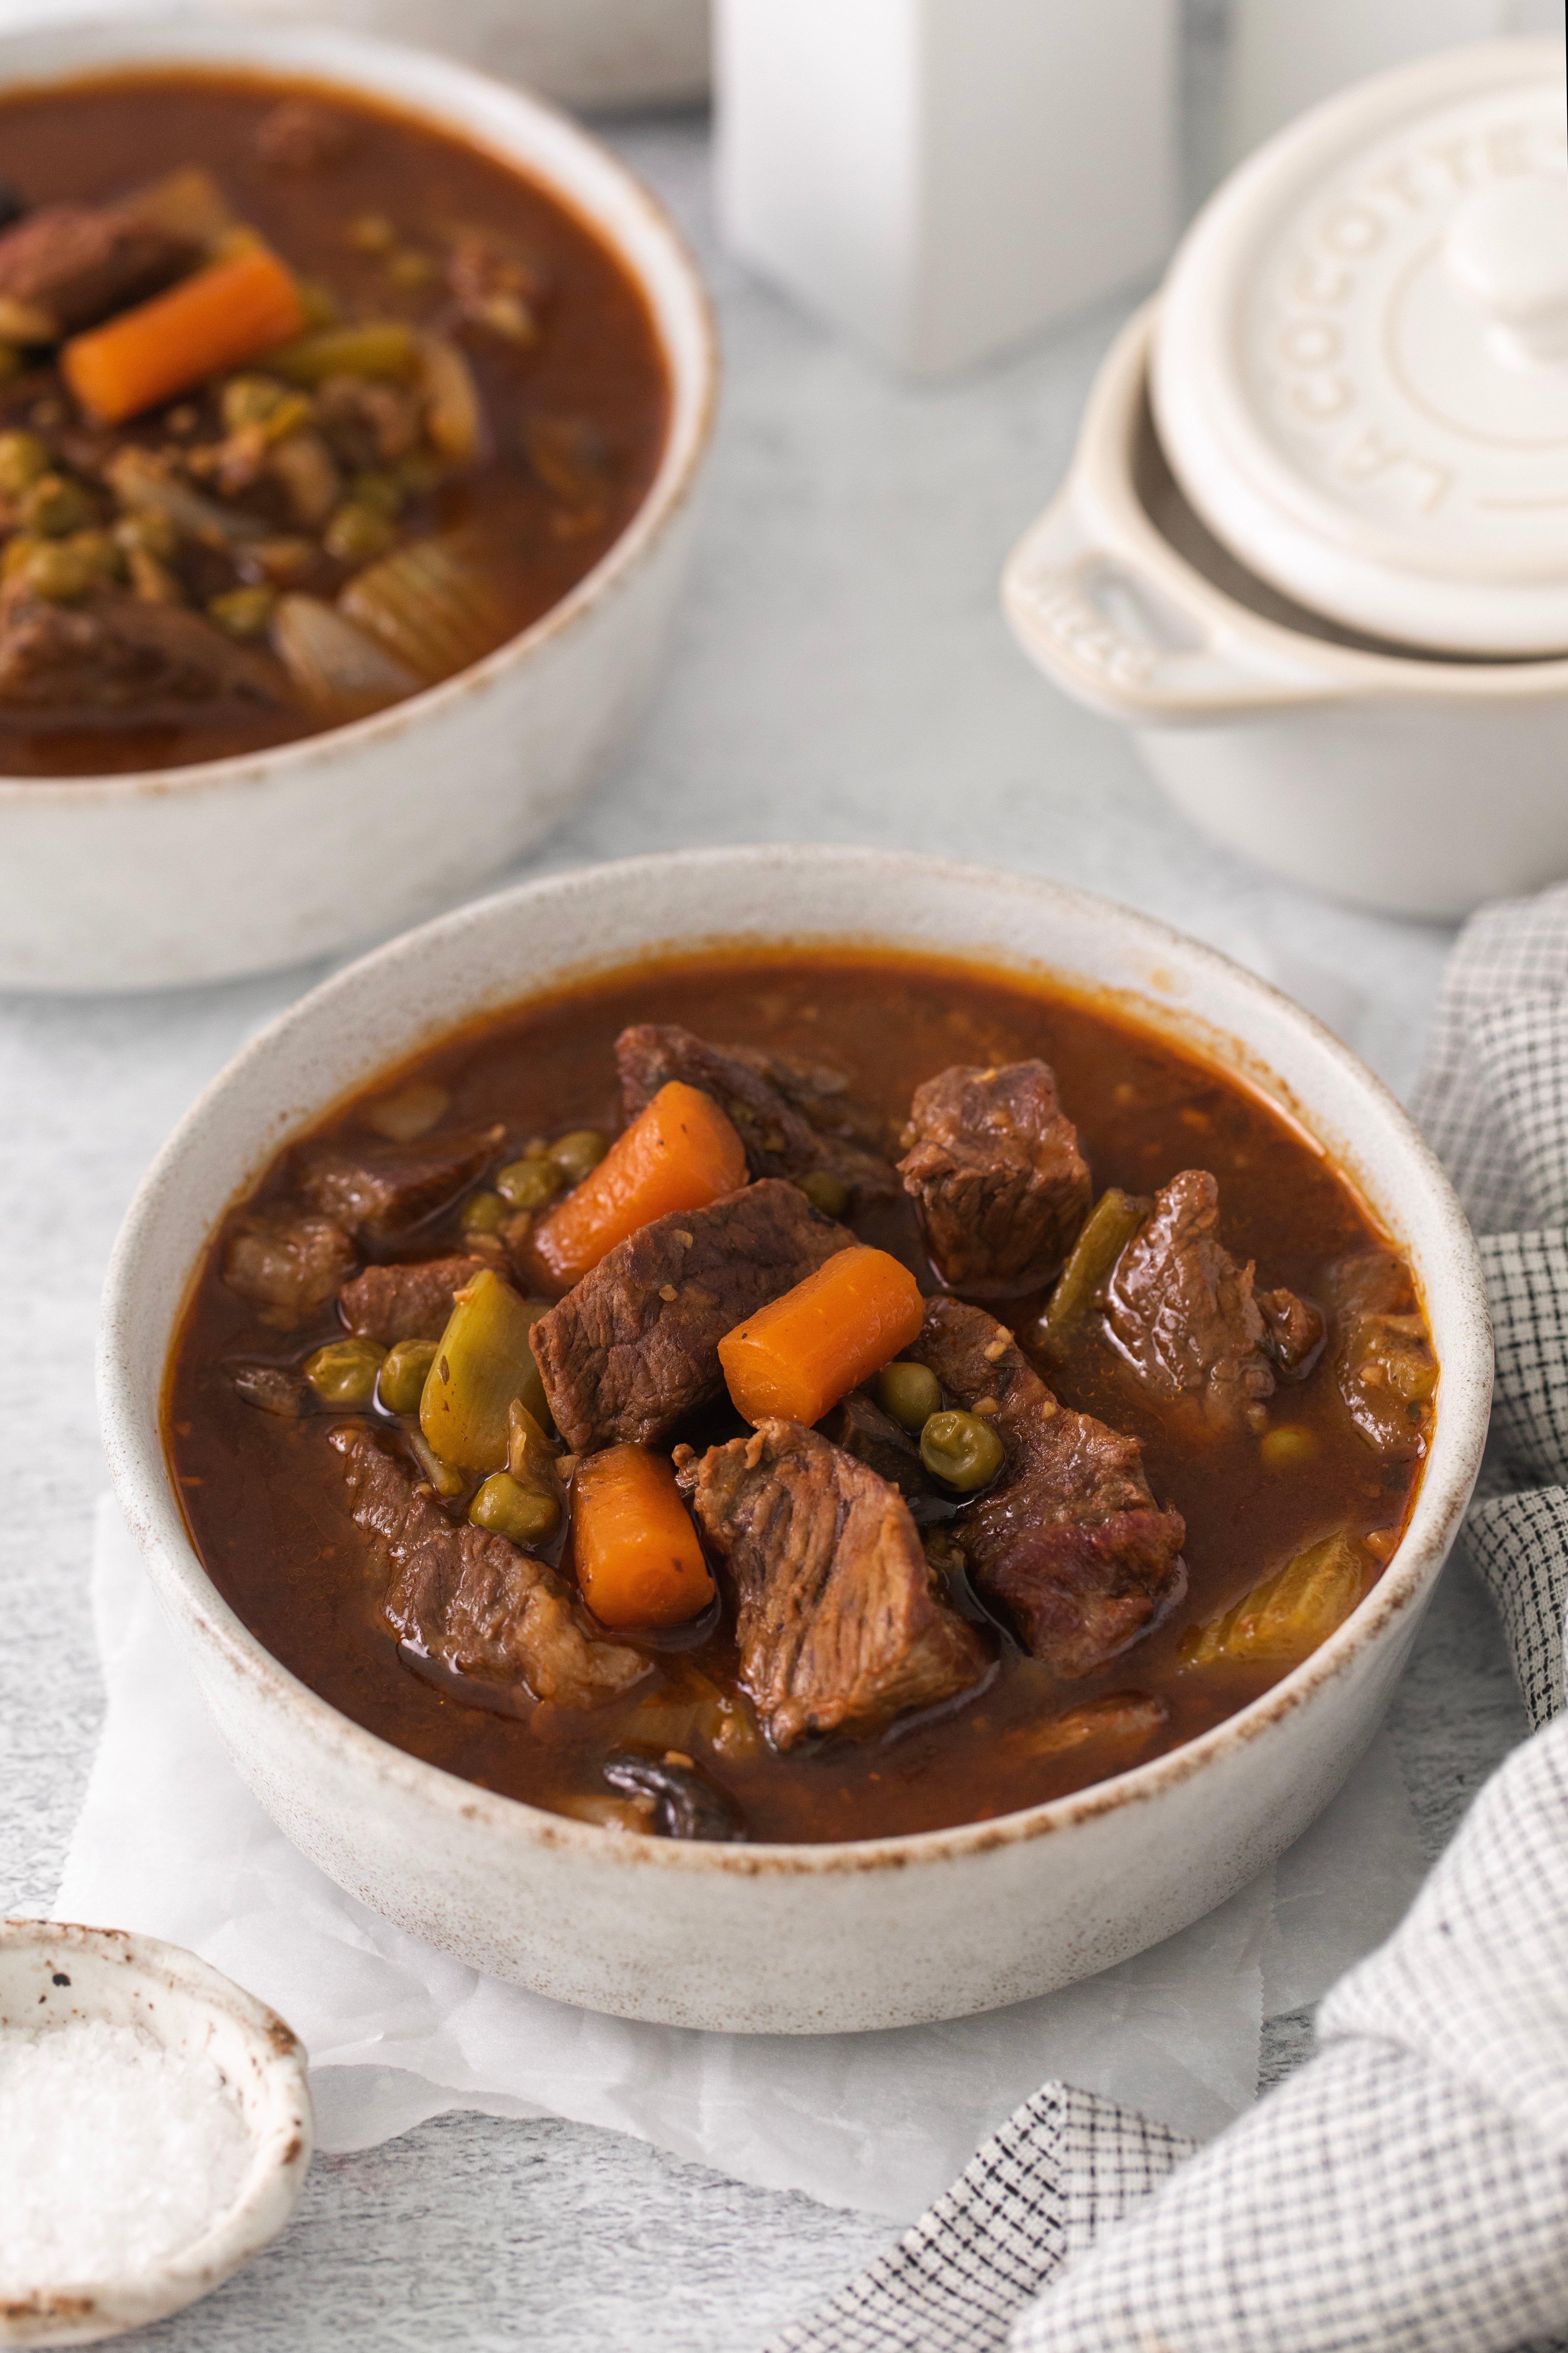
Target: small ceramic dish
51, 1974
798, 1939
1310, 550
237, 865
1391, 779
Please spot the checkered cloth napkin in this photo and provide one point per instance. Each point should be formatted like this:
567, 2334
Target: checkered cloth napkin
1406, 2191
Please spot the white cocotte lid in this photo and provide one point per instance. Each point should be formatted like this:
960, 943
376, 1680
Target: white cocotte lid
1360, 373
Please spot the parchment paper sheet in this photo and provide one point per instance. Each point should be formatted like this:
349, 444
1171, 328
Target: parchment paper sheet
170, 1842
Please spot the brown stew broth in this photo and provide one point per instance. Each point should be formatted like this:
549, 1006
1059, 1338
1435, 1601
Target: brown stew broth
599, 359
263, 1498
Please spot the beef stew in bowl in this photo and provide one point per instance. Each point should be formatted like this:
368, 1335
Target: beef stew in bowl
305, 405
740, 1935
799, 1398
209, 859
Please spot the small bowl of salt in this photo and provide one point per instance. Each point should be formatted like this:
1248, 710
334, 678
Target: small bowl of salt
156, 2130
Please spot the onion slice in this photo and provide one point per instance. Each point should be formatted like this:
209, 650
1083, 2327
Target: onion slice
331, 662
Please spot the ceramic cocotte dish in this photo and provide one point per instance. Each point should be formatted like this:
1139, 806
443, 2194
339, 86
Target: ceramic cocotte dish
1310, 550
239, 864
803, 1937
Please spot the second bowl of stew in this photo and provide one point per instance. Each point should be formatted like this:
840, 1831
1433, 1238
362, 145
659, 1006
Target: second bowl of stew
789, 1439
350, 410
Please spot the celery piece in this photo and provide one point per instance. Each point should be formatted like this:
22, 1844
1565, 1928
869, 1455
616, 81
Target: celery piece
384, 347
1105, 1234
1285, 1617
529, 1455
483, 1361
445, 1477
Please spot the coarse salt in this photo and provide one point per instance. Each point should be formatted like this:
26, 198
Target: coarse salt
115, 2154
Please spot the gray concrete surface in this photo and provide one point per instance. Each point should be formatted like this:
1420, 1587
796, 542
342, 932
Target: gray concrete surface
841, 674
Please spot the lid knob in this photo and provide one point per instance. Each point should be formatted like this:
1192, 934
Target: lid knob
1507, 250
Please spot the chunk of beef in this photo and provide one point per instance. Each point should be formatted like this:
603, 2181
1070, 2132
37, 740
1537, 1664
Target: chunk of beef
65, 266
840, 1623
1186, 1317
494, 286
794, 1119
298, 135
476, 1604
273, 1389
114, 652
994, 1168
285, 1265
1069, 1542
379, 1190
1382, 1359
1293, 1330
406, 1302
860, 1428
634, 1347
367, 423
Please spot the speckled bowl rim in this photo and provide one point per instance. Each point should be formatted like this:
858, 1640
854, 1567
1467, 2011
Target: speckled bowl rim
282, 2142
142, 1481
327, 56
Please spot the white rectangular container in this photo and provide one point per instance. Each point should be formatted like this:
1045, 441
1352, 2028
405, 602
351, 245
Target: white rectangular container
941, 178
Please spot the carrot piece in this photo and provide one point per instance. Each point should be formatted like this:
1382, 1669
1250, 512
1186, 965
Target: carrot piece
680, 1152
217, 319
639, 1560
799, 1354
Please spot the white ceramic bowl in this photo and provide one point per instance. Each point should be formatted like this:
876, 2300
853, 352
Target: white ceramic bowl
786, 1938
1414, 785
237, 865
49, 1974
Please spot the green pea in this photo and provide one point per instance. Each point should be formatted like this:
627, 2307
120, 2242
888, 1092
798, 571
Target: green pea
512, 1508
1288, 1447
23, 458
100, 549
152, 530
55, 505
575, 1153
344, 1372
403, 1373
529, 1184
250, 400
483, 1213
383, 493
826, 1192
418, 474
910, 1393
410, 268
962, 1451
355, 532
243, 612
55, 569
